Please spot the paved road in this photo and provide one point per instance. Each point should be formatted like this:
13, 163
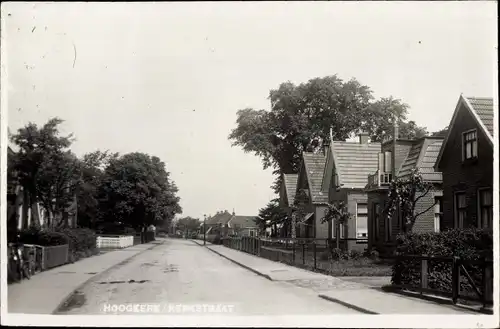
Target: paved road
181, 271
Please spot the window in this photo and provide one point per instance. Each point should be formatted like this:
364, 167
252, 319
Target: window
362, 221
376, 215
252, 233
485, 208
438, 213
460, 209
470, 145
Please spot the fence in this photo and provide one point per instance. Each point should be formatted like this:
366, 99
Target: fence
54, 256
451, 277
114, 242
301, 252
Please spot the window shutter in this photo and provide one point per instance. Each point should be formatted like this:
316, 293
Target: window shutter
387, 162
381, 162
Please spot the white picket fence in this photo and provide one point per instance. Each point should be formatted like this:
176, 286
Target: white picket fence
115, 242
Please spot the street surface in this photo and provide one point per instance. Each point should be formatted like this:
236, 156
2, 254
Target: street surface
182, 272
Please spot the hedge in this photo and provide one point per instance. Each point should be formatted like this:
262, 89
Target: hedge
467, 244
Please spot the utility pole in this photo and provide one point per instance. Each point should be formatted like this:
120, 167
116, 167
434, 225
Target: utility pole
204, 230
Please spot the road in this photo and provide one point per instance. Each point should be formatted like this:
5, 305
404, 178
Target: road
182, 272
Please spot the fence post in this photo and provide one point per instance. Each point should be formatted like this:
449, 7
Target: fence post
487, 283
424, 275
293, 252
314, 251
455, 279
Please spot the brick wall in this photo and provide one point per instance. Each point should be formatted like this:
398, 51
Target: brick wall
467, 177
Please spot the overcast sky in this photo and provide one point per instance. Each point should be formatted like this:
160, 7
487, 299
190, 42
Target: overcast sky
168, 78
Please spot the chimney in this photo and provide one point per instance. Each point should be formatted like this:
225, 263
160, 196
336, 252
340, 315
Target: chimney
326, 145
363, 138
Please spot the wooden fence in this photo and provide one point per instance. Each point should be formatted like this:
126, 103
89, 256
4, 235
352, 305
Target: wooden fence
463, 282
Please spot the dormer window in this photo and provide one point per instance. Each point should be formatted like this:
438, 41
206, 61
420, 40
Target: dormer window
469, 144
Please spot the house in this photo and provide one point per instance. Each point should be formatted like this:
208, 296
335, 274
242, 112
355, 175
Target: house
20, 215
287, 194
466, 161
217, 224
243, 225
313, 200
396, 160
344, 180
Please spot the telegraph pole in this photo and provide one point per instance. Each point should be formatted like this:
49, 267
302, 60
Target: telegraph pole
204, 230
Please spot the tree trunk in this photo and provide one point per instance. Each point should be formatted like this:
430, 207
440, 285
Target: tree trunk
294, 226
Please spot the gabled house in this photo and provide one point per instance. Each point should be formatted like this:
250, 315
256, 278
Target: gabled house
287, 197
242, 225
397, 159
218, 224
308, 192
344, 179
466, 161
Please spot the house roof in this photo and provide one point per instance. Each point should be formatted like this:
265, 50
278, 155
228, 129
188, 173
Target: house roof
243, 221
290, 181
423, 155
314, 165
219, 218
354, 162
481, 109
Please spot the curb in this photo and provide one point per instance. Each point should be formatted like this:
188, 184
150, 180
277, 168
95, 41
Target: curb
348, 305
238, 263
68, 298
432, 299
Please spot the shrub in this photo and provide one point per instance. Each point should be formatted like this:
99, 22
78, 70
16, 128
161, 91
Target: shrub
354, 254
337, 254
43, 238
324, 256
468, 244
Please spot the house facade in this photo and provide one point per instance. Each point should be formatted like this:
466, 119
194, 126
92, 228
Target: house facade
243, 226
344, 179
287, 196
313, 201
466, 161
397, 159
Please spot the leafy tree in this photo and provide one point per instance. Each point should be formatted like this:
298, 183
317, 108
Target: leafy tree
301, 118
188, 224
271, 215
92, 168
404, 195
136, 190
45, 167
338, 215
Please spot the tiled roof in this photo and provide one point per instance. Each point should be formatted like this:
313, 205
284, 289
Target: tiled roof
427, 149
243, 221
290, 181
219, 218
354, 162
315, 166
483, 106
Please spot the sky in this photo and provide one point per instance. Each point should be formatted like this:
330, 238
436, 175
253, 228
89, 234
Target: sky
168, 78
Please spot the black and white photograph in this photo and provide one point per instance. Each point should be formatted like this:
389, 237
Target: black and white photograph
250, 164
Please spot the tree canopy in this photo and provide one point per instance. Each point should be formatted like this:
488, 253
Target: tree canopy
187, 224
302, 116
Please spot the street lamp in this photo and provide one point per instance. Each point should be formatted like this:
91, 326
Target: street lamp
204, 230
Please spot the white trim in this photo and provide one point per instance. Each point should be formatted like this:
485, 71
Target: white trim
461, 100
356, 218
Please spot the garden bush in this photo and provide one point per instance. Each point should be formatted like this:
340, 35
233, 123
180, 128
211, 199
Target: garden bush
468, 244
42, 237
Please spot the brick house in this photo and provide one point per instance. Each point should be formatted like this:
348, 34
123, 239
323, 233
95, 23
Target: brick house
287, 194
218, 223
309, 190
466, 161
348, 165
397, 158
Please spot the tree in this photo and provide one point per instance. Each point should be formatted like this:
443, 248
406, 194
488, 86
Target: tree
136, 190
45, 167
92, 168
188, 224
404, 194
301, 118
271, 215
337, 214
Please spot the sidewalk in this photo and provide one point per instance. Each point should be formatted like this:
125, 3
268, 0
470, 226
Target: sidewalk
46, 291
364, 298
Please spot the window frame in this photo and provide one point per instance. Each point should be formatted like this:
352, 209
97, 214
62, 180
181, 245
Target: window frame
456, 209
465, 142
366, 215
438, 215
480, 207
